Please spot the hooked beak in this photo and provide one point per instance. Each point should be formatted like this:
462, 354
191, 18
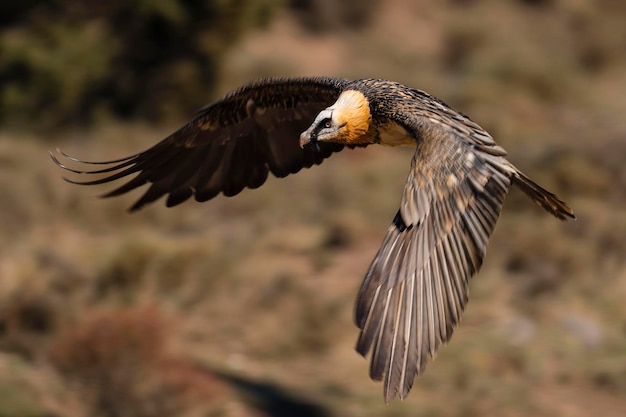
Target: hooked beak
305, 140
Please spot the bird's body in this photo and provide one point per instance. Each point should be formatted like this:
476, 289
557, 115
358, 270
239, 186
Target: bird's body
417, 285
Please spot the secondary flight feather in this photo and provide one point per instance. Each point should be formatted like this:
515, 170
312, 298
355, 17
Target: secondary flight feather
416, 288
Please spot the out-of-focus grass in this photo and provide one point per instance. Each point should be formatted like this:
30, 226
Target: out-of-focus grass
262, 285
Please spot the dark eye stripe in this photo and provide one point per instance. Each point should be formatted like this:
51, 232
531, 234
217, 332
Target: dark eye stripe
323, 124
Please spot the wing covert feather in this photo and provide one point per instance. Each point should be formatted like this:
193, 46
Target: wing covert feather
417, 285
231, 144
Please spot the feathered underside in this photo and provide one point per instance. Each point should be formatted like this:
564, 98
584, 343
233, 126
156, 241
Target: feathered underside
231, 144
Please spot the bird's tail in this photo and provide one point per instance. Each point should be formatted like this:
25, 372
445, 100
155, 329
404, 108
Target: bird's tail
544, 198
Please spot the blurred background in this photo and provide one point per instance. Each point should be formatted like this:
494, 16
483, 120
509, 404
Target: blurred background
243, 306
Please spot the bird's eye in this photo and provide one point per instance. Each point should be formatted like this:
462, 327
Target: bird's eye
328, 123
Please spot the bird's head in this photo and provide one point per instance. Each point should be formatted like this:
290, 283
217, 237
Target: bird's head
346, 122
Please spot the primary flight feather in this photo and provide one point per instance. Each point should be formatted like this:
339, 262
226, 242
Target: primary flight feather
416, 288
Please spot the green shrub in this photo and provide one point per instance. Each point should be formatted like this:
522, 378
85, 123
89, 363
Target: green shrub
68, 62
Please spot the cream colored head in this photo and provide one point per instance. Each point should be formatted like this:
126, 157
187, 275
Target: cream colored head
346, 122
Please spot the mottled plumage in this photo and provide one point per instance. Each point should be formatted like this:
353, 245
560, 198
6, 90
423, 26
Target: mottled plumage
417, 285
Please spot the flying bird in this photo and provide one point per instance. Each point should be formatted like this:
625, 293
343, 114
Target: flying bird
416, 288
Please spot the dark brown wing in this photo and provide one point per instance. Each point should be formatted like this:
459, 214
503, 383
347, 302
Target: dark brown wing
231, 144
416, 288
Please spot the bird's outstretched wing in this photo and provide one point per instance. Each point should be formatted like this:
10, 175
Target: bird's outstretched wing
231, 144
417, 285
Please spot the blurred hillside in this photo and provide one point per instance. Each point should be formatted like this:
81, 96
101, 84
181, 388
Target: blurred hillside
243, 306
74, 62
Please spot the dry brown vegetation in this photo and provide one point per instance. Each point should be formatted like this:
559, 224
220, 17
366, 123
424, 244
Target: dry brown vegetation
243, 306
